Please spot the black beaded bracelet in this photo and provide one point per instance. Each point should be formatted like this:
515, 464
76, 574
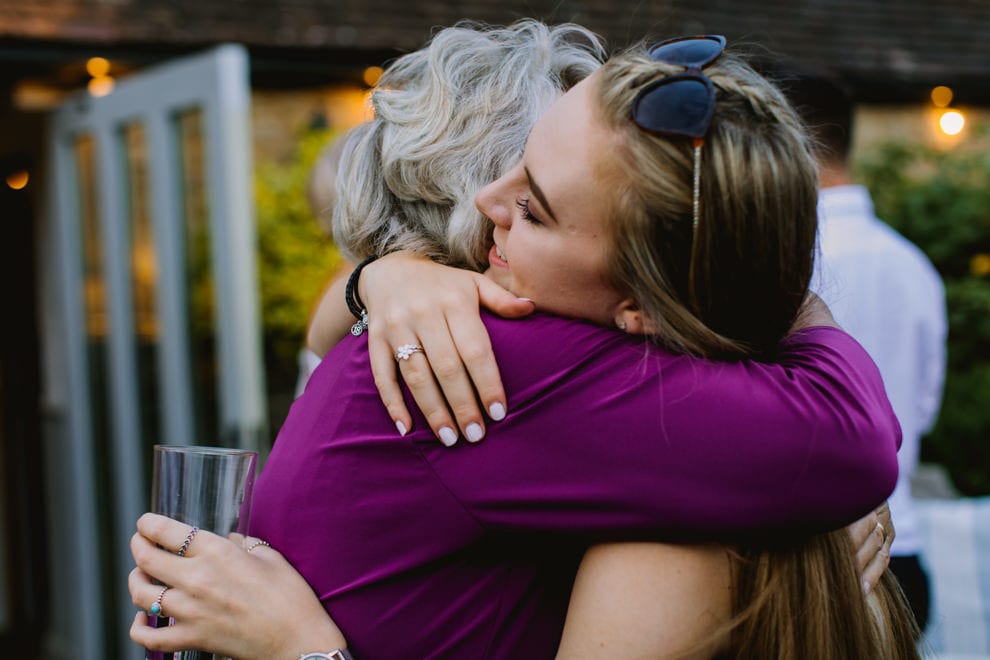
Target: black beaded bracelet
354, 303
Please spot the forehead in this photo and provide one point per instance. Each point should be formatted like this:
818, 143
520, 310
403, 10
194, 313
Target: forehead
570, 153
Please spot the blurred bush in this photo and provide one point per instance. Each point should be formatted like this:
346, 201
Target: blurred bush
941, 202
296, 260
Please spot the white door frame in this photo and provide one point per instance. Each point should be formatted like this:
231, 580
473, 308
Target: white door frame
216, 84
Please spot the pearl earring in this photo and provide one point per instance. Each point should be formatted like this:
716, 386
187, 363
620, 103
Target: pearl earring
621, 324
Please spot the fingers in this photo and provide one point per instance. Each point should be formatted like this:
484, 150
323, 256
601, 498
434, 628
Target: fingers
384, 370
880, 560
251, 544
418, 374
412, 301
474, 347
872, 536
157, 635
156, 598
169, 534
496, 299
883, 517
447, 358
143, 591
437, 378
860, 532
867, 551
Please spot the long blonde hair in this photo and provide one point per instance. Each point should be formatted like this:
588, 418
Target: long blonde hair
801, 597
732, 287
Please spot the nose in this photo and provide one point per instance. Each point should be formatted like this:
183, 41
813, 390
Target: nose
490, 200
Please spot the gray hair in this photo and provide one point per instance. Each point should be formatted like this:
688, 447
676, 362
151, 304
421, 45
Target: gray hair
450, 118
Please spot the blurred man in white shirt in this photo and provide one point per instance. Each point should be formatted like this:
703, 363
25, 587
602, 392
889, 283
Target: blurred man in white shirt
885, 292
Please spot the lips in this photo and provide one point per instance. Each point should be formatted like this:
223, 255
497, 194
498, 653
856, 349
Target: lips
497, 258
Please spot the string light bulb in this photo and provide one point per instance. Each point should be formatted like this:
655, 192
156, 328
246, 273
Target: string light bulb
952, 122
18, 180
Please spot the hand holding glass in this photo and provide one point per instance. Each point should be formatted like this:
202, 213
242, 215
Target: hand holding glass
207, 487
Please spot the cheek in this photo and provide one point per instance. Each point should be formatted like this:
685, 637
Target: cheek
574, 270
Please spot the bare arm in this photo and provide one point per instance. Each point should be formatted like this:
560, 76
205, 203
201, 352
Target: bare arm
648, 600
331, 321
656, 600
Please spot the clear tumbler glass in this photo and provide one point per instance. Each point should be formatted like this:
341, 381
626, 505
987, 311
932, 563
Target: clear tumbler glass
209, 487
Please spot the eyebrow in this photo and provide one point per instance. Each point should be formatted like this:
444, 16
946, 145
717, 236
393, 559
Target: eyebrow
539, 195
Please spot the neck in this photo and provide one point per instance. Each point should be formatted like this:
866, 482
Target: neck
833, 174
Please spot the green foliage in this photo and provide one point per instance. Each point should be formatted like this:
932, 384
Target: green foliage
941, 202
296, 258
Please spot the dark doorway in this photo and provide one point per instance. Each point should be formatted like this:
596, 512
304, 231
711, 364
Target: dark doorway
22, 508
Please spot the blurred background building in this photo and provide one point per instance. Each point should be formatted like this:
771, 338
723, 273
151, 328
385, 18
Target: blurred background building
159, 258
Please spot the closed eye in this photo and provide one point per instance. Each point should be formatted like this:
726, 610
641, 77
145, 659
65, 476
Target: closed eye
527, 214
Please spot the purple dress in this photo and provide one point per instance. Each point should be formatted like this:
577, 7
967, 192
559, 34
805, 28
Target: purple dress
422, 551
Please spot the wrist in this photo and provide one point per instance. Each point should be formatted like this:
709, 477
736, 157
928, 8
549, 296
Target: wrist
365, 285
317, 637
335, 654
353, 298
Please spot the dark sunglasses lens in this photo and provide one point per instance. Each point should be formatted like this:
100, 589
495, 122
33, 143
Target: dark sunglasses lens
676, 107
688, 52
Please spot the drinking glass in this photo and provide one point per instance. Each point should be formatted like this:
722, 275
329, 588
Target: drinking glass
208, 487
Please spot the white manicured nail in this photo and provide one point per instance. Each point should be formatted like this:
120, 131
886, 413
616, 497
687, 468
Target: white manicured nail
497, 411
447, 436
401, 427
474, 432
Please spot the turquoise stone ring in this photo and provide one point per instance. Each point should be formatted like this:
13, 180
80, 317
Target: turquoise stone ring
156, 607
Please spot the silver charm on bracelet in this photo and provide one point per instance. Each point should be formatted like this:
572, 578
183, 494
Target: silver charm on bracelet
361, 324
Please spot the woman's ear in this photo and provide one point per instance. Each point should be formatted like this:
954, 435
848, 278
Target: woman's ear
629, 318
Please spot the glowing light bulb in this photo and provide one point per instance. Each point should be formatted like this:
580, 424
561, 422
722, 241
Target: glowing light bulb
952, 122
97, 66
942, 96
18, 180
101, 86
372, 74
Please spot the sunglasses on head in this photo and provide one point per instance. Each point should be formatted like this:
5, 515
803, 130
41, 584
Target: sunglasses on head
682, 104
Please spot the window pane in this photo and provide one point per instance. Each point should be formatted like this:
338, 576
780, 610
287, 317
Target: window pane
144, 283
199, 276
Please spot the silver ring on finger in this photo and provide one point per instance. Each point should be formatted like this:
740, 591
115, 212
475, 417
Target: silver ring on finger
257, 543
406, 350
883, 532
156, 607
189, 539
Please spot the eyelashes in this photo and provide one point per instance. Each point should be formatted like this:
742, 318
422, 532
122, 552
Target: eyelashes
523, 204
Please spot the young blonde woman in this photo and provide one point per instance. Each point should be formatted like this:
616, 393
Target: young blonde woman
418, 551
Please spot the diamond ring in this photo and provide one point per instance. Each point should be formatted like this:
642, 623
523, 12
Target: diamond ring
403, 352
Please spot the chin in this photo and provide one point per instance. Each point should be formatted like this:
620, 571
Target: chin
499, 277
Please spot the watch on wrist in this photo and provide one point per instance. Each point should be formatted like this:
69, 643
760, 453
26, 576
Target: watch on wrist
336, 654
